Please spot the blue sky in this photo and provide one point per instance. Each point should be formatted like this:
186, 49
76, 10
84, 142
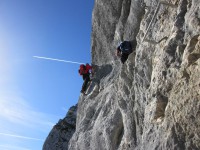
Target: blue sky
36, 93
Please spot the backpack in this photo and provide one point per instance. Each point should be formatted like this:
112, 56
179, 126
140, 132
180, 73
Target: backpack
126, 47
82, 69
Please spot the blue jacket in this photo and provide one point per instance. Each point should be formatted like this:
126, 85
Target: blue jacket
125, 47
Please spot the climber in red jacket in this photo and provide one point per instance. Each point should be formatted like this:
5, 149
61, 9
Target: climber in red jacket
85, 71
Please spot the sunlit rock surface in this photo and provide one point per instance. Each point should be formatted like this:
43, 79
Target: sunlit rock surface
152, 102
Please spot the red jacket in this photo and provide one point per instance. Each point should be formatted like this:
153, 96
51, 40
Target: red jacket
88, 67
84, 69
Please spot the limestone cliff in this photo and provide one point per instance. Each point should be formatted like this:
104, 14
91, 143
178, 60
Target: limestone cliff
58, 138
152, 102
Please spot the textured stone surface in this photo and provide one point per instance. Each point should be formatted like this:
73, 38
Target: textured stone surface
61, 133
153, 101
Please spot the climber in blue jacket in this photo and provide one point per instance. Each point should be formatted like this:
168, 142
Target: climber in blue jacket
124, 50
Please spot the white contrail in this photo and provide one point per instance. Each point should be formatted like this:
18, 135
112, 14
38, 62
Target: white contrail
22, 137
73, 62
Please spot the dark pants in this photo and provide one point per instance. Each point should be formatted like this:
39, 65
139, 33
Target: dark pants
124, 57
86, 78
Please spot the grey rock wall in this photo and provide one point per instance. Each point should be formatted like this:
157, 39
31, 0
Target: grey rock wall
152, 102
62, 132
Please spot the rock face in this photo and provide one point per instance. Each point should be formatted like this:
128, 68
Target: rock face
61, 133
152, 102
